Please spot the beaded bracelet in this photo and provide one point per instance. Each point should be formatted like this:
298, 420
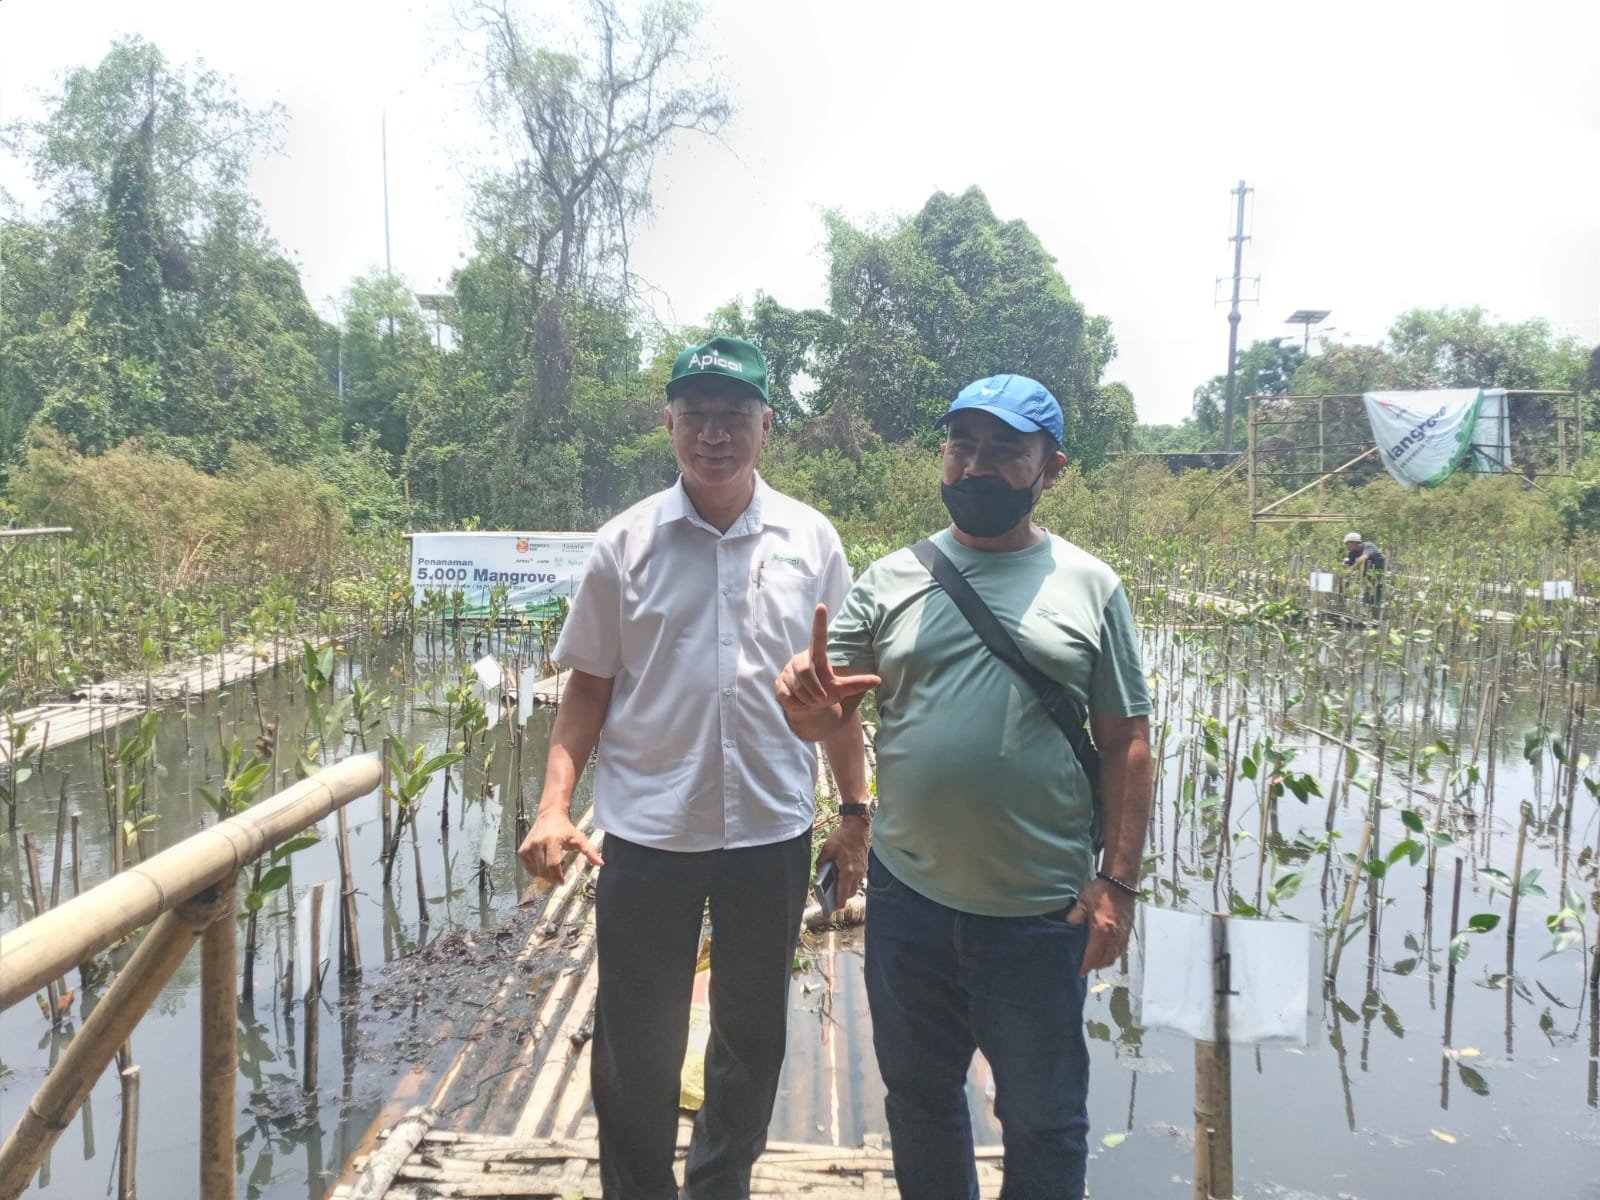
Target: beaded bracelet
1117, 883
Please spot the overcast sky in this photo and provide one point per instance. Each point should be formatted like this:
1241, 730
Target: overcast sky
1401, 153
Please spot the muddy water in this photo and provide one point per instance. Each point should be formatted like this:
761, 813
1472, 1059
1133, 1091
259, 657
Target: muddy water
388, 1033
1380, 1103
1374, 1107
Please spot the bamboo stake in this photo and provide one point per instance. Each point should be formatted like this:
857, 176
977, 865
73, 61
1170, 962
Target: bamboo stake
1213, 1060
313, 992
30, 853
128, 1140
137, 985
384, 806
416, 858
117, 817
77, 854
219, 1055
61, 838
349, 936
1516, 881
1349, 901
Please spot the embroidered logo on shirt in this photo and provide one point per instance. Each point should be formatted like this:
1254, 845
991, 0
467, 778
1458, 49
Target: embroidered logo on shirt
783, 558
1048, 613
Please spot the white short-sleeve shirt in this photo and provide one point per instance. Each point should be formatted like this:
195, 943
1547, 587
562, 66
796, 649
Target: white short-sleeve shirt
694, 626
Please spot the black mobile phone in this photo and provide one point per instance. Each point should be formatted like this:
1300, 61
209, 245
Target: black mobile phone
825, 887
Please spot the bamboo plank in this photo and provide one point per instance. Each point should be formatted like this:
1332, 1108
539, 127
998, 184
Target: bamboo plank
557, 1061
109, 704
386, 1164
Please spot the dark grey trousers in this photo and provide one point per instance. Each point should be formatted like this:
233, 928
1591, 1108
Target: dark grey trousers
648, 907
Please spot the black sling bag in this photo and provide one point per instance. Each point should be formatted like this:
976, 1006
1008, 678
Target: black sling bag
1063, 709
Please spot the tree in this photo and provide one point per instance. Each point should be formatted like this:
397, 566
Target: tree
584, 122
1265, 369
386, 352
154, 305
926, 304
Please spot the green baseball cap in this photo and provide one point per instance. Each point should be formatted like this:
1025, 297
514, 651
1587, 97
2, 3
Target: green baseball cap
730, 357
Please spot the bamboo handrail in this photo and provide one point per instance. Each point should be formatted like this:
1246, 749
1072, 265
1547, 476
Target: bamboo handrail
47, 946
64, 1090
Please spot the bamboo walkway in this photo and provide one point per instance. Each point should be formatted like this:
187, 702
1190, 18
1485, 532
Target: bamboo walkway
511, 1117
103, 706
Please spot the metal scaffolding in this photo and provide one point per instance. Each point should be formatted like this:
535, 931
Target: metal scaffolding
1293, 438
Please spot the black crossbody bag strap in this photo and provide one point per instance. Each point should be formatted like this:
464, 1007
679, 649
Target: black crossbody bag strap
1063, 709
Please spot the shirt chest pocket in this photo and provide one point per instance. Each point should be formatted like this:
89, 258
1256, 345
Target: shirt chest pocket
783, 596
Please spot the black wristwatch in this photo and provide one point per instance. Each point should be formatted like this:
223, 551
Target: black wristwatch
856, 810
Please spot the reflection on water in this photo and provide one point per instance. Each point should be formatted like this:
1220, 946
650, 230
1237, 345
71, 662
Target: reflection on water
370, 1033
1413, 1086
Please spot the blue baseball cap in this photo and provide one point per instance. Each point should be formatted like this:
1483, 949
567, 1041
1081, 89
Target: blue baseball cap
1022, 403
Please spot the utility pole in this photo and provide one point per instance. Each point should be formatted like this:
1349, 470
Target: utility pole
1238, 240
388, 265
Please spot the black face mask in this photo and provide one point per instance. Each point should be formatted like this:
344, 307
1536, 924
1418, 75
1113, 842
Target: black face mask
984, 506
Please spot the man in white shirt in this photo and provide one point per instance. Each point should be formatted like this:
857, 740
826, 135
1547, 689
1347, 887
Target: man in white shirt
692, 602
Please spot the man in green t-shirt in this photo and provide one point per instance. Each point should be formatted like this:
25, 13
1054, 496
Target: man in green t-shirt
985, 906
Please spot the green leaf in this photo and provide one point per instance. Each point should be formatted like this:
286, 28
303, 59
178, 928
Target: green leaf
1288, 885
1562, 941
1474, 1082
1411, 819
1482, 922
294, 844
1459, 948
1570, 899
245, 782
438, 762
274, 879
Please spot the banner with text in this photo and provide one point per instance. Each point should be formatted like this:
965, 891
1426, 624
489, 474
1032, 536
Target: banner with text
1423, 436
535, 568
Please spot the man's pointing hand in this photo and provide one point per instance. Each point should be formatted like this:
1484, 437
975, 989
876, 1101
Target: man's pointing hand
809, 682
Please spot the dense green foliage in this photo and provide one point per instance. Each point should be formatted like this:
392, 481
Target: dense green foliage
147, 317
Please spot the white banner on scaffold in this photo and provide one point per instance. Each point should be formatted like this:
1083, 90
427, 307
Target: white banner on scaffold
1423, 436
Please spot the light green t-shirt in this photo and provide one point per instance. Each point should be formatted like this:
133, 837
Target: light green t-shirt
982, 804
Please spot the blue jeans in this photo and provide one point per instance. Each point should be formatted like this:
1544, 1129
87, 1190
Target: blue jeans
942, 982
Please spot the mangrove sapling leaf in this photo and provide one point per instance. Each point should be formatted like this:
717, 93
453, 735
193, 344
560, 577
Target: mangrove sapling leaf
1285, 887
1566, 926
1391, 1021
1409, 849
1482, 922
132, 829
1472, 1080
1411, 819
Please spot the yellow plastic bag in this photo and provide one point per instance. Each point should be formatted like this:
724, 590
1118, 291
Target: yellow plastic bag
692, 1079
